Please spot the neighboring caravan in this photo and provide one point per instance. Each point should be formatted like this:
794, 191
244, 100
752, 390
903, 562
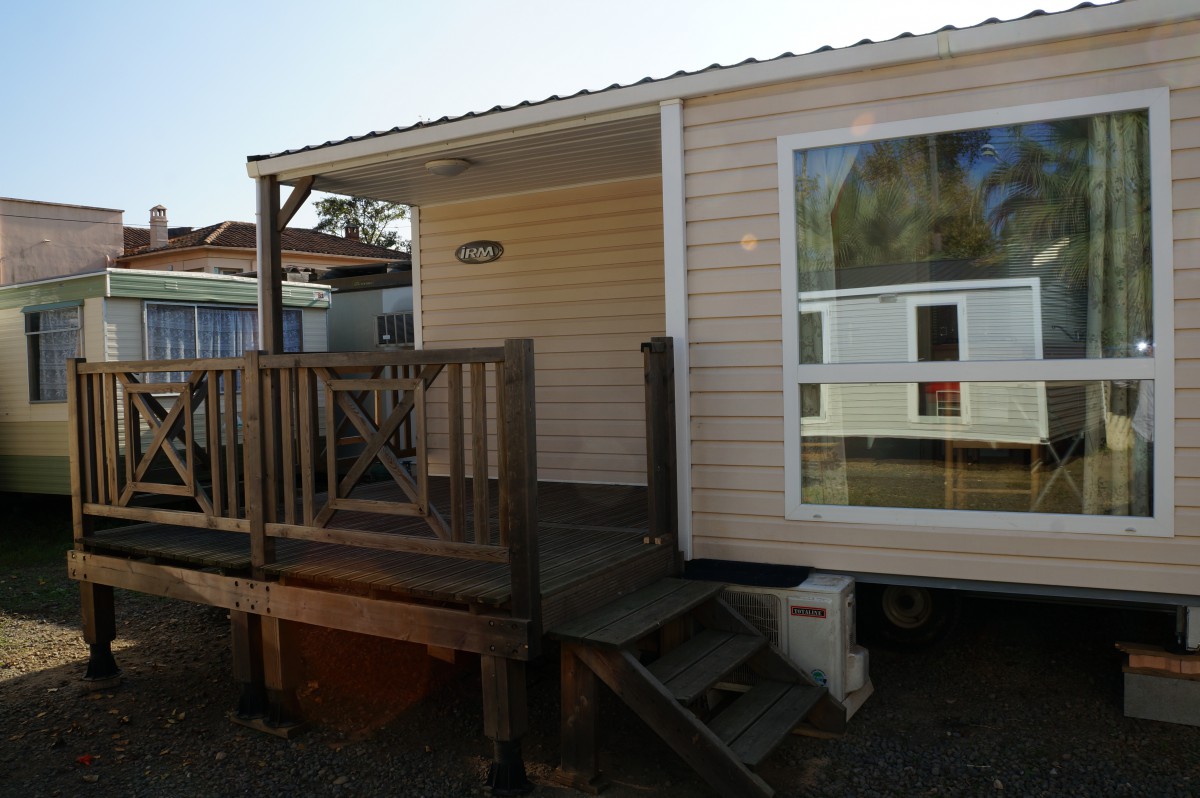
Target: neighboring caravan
117, 314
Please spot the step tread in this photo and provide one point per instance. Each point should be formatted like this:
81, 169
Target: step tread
632, 617
693, 667
758, 721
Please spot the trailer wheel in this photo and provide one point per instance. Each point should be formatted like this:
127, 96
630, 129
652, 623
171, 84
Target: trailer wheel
908, 615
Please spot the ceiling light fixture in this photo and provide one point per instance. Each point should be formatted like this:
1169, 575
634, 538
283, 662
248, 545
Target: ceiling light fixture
447, 167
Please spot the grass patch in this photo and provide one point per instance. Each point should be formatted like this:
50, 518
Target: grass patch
34, 529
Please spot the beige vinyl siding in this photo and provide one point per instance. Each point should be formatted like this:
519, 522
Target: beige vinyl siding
313, 334
582, 275
735, 326
124, 329
14, 367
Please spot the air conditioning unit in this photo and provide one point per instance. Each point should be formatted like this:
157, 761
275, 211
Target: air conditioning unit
813, 625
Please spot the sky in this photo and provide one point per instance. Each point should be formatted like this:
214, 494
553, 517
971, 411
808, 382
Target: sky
130, 104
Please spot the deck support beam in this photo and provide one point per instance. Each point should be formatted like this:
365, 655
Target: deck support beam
579, 765
505, 721
280, 660
396, 620
246, 640
99, 630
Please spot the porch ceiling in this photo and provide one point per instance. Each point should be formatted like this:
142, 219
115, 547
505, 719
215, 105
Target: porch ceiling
516, 161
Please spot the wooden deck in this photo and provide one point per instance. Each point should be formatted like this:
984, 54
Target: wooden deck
590, 539
301, 488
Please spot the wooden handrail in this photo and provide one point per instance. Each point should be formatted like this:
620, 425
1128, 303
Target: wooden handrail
420, 357
153, 366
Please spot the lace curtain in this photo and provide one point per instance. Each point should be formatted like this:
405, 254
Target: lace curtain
197, 331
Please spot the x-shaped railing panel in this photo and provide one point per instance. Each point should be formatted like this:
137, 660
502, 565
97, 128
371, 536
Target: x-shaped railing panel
141, 402
348, 395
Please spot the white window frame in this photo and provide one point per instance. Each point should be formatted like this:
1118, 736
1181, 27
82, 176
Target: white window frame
1159, 368
33, 365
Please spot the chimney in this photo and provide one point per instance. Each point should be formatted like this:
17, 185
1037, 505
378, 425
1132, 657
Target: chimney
352, 232
158, 227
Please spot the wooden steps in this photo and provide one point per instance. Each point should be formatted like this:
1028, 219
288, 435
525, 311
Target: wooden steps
758, 721
683, 693
690, 669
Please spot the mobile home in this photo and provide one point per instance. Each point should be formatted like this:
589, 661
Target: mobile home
967, 256
725, 207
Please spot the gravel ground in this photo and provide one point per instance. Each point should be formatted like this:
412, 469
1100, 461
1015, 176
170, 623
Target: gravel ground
1022, 700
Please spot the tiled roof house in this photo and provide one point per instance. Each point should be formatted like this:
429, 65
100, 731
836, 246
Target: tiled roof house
230, 248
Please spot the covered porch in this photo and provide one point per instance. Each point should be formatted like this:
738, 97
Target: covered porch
471, 494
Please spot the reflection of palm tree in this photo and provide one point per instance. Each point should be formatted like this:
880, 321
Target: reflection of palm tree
1081, 187
881, 223
1037, 195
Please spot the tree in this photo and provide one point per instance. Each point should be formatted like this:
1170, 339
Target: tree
371, 217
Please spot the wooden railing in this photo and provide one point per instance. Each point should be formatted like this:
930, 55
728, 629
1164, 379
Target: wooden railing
285, 446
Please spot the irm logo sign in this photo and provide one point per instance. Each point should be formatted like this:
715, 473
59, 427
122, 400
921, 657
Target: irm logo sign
479, 252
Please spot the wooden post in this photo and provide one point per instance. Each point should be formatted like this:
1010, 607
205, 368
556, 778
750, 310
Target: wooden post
659, 357
519, 475
579, 766
505, 721
270, 267
246, 640
79, 449
265, 482
280, 659
261, 548
95, 601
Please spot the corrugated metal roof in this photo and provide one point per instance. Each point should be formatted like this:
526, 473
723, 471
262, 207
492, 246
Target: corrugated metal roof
217, 288
445, 120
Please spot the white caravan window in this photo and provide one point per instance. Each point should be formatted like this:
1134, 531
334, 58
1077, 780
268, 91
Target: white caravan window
996, 318
52, 337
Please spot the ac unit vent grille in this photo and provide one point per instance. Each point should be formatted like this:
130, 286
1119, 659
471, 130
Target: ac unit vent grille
394, 329
761, 609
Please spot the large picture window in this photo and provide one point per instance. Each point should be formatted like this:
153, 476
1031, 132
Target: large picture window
52, 337
997, 318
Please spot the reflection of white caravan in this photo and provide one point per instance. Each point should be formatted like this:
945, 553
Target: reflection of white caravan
980, 320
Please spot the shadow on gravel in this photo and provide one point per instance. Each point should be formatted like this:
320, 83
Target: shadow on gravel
1023, 699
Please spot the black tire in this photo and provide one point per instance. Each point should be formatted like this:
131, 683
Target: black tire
906, 615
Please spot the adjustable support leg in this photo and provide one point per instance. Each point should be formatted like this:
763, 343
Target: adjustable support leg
99, 630
505, 721
246, 633
279, 658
